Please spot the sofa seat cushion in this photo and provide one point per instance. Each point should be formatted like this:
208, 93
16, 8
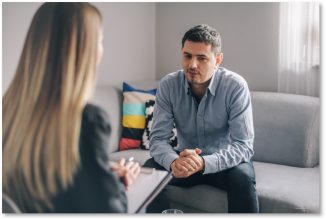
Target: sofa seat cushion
281, 189
287, 189
140, 155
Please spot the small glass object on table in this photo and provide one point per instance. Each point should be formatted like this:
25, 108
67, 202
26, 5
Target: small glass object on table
172, 211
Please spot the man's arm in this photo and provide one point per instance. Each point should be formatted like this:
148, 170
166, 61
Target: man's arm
241, 133
163, 120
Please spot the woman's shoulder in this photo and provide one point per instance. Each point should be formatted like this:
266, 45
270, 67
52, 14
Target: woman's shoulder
94, 115
93, 112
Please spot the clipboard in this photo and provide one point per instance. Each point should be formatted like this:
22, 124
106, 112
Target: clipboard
146, 187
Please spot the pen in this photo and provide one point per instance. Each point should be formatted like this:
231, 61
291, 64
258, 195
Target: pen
130, 159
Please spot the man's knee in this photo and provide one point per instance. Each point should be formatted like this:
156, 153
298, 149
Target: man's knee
243, 174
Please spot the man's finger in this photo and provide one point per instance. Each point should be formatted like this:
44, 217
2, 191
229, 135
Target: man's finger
178, 165
181, 167
187, 152
190, 163
198, 151
196, 160
189, 166
183, 162
177, 173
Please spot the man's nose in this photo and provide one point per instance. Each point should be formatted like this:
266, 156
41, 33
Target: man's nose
193, 63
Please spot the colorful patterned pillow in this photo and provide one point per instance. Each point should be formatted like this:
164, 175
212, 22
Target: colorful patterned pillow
149, 109
133, 115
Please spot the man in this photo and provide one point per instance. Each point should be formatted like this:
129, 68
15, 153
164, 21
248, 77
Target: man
211, 109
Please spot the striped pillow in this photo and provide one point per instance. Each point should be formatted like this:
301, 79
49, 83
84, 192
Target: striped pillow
149, 109
133, 115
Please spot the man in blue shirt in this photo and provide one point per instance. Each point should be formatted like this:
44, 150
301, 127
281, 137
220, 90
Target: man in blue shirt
211, 109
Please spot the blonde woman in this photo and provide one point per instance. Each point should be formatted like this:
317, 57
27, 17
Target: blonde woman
54, 157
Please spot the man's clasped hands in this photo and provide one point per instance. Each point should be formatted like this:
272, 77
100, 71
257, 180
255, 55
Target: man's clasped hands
188, 163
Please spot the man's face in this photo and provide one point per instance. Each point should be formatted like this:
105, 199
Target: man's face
199, 61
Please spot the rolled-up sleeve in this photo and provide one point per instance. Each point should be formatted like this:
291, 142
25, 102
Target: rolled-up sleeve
241, 129
163, 120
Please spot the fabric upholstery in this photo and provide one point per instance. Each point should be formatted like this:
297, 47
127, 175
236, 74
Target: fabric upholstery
281, 189
286, 129
286, 189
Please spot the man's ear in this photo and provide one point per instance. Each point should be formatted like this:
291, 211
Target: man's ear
219, 59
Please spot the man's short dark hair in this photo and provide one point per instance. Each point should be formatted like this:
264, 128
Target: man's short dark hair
204, 34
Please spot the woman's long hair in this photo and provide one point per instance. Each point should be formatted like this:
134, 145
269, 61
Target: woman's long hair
43, 105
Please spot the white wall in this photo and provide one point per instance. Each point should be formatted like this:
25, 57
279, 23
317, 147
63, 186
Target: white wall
129, 40
249, 37
142, 40
129, 44
16, 18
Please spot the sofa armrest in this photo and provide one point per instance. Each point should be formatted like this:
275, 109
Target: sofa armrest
286, 128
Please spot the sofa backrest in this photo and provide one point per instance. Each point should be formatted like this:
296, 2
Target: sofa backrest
286, 125
286, 128
110, 99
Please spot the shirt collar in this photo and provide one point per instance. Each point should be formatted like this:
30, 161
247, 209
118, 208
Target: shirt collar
213, 83
186, 84
211, 87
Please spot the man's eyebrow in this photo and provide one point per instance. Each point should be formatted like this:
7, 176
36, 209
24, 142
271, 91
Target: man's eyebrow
201, 55
186, 53
198, 55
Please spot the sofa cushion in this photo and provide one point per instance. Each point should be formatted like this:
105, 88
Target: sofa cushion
286, 189
149, 109
149, 113
133, 119
281, 189
286, 128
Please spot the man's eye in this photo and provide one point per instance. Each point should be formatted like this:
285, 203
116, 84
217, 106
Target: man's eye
201, 58
188, 57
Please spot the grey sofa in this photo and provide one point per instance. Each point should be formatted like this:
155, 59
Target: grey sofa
286, 156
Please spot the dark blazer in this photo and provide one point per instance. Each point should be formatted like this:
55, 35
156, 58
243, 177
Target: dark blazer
95, 188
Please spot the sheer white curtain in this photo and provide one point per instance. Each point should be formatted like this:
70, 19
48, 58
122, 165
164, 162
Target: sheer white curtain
299, 67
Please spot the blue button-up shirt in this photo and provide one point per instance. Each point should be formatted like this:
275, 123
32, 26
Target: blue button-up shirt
220, 124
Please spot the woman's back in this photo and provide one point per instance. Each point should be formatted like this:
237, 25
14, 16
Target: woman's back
95, 188
51, 141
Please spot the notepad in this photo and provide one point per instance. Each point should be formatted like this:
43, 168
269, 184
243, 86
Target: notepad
146, 187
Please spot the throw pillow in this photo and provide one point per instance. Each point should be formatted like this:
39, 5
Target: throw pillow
149, 109
133, 115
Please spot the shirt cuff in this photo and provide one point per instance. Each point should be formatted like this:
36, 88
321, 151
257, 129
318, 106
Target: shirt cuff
169, 158
210, 164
